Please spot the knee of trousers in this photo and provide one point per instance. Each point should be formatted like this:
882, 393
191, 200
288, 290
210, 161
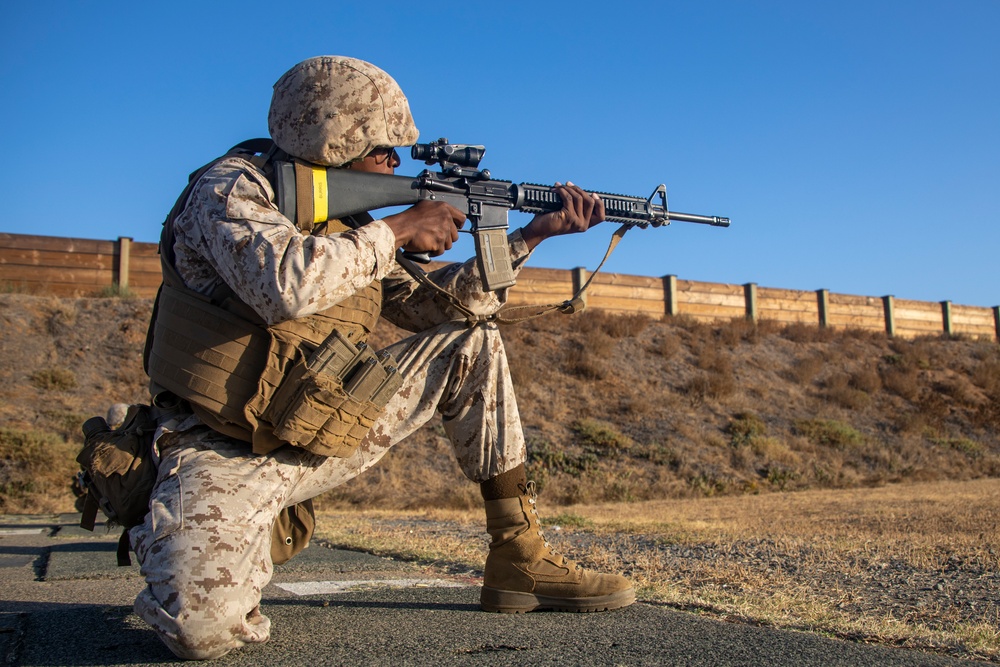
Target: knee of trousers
484, 342
200, 633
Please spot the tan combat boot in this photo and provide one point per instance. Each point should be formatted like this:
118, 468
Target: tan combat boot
524, 574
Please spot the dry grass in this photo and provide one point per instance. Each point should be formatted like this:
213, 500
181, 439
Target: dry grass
35, 471
914, 532
904, 565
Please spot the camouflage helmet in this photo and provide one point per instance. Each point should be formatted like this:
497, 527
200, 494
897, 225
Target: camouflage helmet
330, 110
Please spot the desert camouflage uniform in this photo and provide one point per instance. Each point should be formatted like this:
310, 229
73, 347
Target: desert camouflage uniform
205, 545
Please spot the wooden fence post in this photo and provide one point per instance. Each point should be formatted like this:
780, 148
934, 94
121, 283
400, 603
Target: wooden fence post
946, 316
670, 296
579, 280
890, 315
124, 251
823, 305
750, 294
996, 320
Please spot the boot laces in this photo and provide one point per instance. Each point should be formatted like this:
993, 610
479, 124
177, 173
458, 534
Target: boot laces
532, 494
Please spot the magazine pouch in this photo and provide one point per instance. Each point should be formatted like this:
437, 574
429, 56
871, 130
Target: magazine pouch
328, 402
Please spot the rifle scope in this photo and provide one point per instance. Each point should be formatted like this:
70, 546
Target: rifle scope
443, 153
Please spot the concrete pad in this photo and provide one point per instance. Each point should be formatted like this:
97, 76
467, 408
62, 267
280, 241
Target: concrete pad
12, 532
15, 560
304, 588
87, 560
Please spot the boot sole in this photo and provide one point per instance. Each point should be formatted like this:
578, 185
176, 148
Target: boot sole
516, 602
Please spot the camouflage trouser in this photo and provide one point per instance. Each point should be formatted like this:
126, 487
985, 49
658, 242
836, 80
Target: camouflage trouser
205, 545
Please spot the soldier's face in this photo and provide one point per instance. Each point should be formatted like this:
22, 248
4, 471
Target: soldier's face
378, 161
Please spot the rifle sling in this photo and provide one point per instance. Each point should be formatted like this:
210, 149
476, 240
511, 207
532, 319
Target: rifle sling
568, 307
418, 274
574, 305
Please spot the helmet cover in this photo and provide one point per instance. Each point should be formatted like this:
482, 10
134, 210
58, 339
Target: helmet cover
331, 110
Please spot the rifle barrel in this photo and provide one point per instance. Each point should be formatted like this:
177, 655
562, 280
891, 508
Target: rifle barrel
713, 220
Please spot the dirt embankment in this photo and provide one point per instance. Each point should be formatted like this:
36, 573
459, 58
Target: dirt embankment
615, 407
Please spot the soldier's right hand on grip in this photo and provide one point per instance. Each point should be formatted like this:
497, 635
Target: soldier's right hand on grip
427, 226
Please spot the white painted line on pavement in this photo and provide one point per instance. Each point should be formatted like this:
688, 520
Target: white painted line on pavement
328, 587
21, 531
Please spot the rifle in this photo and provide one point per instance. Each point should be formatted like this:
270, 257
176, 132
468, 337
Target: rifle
310, 194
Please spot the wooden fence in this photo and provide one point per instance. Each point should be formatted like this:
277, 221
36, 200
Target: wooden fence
77, 267
82, 267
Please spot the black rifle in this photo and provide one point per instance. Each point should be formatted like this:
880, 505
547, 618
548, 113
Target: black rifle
332, 193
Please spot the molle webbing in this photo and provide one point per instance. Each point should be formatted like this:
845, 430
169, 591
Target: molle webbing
206, 355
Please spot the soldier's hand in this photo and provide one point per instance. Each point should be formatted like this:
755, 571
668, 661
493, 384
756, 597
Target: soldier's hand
581, 211
427, 226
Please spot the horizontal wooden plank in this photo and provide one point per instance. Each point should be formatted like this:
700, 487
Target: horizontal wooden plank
56, 243
910, 304
972, 315
546, 275
627, 280
145, 250
790, 316
624, 305
43, 274
856, 309
153, 275
710, 310
54, 259
541, 288
627, 292
919, 328
773, 293
857, 321
722, 300
685, 286
139, 263
535, 290
787, 306
919, 316
530, 300
853, 300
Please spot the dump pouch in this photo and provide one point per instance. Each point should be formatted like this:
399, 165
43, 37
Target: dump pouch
292, 530
328, 402
118, 472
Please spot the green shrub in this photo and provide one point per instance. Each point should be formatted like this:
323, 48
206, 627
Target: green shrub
116, 291
545, 458
829, 433
569, 520
54, 379
744, 428
600, 436
970, 448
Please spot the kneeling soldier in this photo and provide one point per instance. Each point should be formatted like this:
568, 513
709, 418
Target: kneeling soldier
257, 327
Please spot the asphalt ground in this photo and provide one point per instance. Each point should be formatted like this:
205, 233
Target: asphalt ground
63, 601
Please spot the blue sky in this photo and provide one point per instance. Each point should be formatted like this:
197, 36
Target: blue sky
855, 145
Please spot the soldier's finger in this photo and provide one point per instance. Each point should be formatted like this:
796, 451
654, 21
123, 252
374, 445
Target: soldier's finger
572, 197
599, 212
